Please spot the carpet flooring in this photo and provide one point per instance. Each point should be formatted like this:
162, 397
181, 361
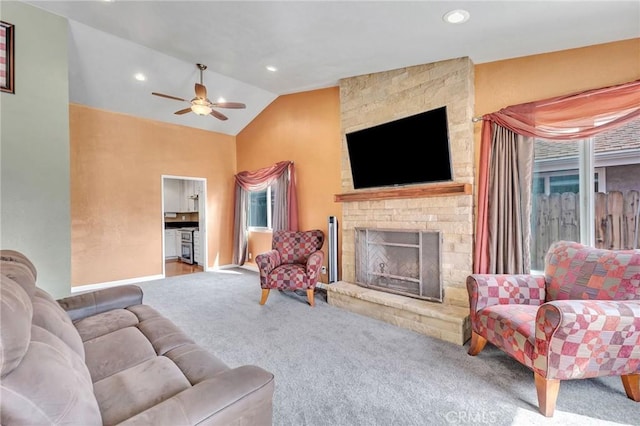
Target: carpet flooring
333, 367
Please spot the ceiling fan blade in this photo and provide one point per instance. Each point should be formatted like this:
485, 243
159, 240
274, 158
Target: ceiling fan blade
201, 91
168, 96
234, 105
183, 111
217, 115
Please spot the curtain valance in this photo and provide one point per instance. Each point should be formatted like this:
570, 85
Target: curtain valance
576, 116
259, 180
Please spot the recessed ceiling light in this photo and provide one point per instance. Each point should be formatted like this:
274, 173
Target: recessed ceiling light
140, 77
272, 68
457, 16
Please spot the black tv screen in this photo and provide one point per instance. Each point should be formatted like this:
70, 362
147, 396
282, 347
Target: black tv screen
411, 150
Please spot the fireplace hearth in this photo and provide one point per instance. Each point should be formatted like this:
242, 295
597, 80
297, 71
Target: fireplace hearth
405, 262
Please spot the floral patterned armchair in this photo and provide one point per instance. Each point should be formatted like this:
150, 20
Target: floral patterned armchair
293, 263
580, 320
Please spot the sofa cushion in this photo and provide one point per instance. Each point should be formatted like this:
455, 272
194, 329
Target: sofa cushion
289, 276
511, 328
50, 386
21, 274
17, 257
163, 334
104, 323
241, 396
16, 311
114, 352
50, 316
144, 312
575, 271
136, 389
296, 246
196, 363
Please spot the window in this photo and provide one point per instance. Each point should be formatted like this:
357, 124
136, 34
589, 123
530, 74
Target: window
259, 216
607, 166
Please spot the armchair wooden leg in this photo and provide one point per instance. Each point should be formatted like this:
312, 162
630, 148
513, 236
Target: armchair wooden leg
310, 296
547, 390
631, 383
477, 344
265, 294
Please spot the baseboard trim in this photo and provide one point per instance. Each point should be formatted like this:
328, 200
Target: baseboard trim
222, 267
249, 268
98, 286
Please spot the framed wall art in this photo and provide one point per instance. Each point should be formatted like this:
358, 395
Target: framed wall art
6, 57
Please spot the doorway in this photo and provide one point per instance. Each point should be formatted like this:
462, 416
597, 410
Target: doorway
184, 233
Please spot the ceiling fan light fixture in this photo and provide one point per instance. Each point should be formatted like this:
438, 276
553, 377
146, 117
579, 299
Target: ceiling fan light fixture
201, 109
200, 104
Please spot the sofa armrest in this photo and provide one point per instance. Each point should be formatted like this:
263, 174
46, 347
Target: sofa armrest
314, 265
587, 338
267, 262
504, 289
243, 395
94, 302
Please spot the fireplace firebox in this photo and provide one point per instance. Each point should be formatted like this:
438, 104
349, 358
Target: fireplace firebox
399, 261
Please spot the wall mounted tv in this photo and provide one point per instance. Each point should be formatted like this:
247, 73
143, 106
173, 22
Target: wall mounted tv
411, 150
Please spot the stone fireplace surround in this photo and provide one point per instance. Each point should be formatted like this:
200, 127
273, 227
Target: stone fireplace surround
377, 98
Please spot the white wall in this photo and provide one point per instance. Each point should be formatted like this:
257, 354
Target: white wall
35, 214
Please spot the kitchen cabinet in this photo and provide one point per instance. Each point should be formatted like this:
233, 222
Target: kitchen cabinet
182, 195
172, 195
190, 195
170, 247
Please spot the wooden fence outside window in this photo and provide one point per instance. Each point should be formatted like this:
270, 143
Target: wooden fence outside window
557, 217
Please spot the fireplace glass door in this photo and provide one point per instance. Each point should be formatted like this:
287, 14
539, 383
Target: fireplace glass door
400, 261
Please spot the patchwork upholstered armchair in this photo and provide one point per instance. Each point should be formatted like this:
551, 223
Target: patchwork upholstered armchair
580, 320
293, 263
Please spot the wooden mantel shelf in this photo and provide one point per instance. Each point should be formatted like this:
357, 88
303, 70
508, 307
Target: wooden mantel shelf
434, 190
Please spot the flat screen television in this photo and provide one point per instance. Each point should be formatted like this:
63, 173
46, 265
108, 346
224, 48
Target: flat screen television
410, 150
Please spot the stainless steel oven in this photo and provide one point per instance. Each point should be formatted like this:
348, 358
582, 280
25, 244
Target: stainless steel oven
186, 245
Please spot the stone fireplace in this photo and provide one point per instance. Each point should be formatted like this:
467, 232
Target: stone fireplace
446, 209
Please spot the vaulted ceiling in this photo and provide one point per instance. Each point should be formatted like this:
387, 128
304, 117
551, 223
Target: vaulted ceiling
313, 44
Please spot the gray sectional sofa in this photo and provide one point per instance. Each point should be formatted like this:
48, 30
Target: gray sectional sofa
105, 358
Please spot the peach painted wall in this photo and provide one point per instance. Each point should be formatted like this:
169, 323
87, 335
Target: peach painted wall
305, 128
530, 78
116, 200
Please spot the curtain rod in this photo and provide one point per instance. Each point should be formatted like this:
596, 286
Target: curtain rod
476, 119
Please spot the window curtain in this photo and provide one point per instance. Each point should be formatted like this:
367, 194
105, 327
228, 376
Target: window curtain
568, 117
510, 175
281, 177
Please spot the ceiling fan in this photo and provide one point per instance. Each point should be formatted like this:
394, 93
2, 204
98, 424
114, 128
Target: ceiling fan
201, 105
